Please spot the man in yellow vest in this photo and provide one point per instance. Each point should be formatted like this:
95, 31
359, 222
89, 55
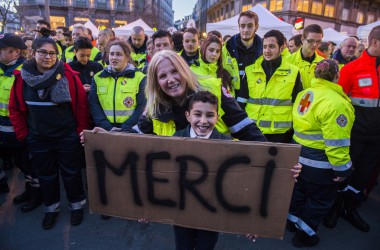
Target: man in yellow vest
11, 59
138, 41
273, 85
306, 58
80, 30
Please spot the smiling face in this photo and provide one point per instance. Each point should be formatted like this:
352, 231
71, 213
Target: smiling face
170, 80
117, 58
213, 53
46, 57
83, 55
190, 43
271, 50
202, 117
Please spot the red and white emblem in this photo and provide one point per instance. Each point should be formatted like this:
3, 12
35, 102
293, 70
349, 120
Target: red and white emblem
128, 102
341, 120
226, 93
305, 102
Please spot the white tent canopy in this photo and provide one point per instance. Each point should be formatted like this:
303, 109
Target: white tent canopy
126, 30
92, 27
363, 31
267, 22
332, 35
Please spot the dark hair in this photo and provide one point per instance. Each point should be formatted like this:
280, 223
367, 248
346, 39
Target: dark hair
297, 40
324, 46
374, 34
82, 43
276, 34
216, 33
42, 21
226, 37
44, 39
326, 69
160, 34
312, 28
177, 39
65, 29
220, 72
27, 38
192, 30
249, 14
205, 97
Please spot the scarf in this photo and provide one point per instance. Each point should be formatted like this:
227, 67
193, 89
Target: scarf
51, 83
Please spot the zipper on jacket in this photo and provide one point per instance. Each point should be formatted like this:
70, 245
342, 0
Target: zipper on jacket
114, 101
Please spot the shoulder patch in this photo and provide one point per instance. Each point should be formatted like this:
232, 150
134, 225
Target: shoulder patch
305, 102
226, 93
341, 120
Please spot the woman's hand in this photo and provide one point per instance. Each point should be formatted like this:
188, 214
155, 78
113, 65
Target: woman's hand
143, 221
296, 170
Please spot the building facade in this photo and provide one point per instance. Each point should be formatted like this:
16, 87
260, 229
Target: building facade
107, 13
342, 15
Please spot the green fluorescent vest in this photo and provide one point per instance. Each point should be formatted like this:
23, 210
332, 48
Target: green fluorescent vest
306, 68
118, 96
6, 84
207, 83
270, 104
231, 65
138, 59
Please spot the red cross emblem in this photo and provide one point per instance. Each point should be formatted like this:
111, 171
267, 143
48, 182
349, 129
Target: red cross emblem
305, 102
128, 102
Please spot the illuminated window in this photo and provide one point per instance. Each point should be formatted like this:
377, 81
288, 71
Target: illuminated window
275, 5
316, 8
246, 7
345, 13
303, 5
56, 21
329, 10
360, 17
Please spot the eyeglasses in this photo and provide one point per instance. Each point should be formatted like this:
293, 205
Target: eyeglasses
44, 53
313, 42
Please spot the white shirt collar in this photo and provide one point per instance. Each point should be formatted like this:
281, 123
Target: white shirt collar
194, 135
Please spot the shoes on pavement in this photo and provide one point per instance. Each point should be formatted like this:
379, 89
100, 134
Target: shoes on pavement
49, 220
351, 215
302, 239
76, 217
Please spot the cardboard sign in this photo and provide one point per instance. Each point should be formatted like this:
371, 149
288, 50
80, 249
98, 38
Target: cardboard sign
225, 186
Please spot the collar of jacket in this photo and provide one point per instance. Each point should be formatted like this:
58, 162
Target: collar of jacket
339, 57
322, 83
129, 72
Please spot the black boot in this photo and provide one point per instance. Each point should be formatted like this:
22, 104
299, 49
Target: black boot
34, 201
332, 216
49, 220
24, 196
302, 239
350, 214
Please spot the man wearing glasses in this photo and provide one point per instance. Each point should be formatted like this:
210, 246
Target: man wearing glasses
306, 58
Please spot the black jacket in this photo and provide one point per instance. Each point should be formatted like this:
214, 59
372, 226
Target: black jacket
86, 72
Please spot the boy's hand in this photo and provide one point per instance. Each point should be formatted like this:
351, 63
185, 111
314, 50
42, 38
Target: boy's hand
296, 170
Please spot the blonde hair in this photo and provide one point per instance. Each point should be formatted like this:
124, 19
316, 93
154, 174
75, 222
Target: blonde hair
156, 98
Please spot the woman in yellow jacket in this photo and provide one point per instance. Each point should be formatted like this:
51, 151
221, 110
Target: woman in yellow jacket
211, 64
322, 119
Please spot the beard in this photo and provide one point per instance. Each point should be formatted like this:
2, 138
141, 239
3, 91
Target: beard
246, 39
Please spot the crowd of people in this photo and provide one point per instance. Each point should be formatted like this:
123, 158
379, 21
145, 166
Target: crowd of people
302, 90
